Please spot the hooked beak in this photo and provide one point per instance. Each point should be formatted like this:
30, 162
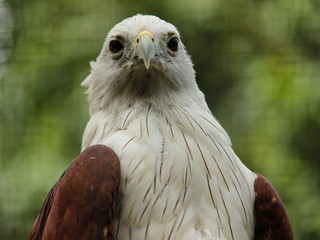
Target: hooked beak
145, 48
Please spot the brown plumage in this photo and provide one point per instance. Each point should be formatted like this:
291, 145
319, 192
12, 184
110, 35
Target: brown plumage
81, 205
272, 222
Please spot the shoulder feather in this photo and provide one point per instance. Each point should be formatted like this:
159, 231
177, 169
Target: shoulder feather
81, 205
272, 221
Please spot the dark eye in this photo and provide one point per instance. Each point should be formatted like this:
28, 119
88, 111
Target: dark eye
173, 44
115, 46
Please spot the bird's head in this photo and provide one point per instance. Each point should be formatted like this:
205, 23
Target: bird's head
142, 58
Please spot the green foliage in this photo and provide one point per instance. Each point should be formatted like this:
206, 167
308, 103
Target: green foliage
258, 63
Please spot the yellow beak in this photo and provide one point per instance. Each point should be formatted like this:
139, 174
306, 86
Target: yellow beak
145, 48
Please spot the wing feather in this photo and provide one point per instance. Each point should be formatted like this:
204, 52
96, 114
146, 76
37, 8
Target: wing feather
272, 221
81, 205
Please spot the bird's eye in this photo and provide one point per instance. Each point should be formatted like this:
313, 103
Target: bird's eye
173, 44
115, 46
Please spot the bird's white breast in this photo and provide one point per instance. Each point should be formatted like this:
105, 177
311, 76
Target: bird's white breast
180, 178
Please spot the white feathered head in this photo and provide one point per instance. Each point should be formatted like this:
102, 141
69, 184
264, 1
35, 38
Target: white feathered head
142, 58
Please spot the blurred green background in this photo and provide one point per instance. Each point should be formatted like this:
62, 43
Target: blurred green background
258, 62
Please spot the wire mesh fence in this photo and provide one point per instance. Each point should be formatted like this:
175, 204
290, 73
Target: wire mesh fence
258, 63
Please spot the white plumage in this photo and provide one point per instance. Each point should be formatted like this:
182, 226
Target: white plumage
180, 178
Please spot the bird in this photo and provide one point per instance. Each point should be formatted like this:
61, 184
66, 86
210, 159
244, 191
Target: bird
155, 163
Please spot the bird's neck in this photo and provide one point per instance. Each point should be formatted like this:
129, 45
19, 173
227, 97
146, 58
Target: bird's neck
165, 98
164, 114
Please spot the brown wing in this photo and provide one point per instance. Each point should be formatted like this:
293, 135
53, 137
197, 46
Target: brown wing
81, 205
272, 221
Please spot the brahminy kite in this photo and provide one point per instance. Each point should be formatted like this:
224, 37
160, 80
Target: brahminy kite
155, 162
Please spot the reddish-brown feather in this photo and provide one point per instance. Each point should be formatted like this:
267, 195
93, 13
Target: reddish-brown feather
81, 205
272, 221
